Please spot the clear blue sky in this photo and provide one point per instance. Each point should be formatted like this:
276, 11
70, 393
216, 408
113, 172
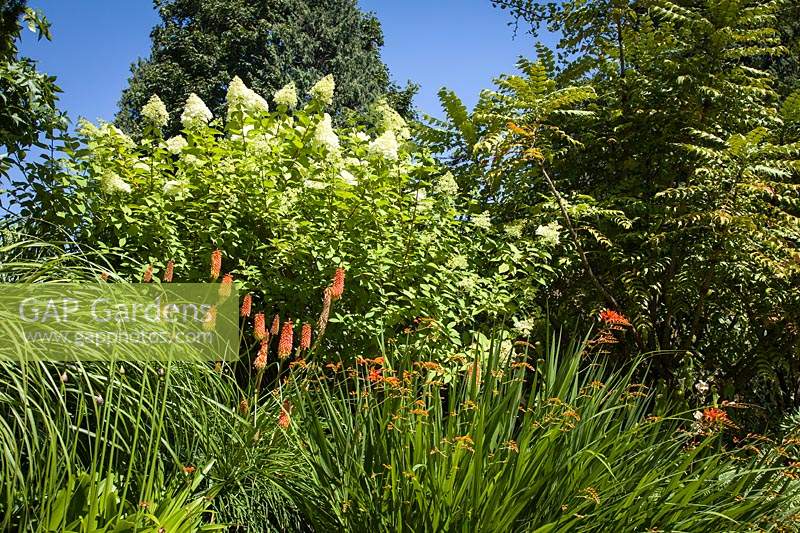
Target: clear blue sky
460, 44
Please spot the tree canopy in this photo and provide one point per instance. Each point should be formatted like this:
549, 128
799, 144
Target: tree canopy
199, 46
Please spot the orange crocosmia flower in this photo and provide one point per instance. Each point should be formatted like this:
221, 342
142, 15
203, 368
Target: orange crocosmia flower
216, 263
714, 415
375, 375
610, 316
247, 305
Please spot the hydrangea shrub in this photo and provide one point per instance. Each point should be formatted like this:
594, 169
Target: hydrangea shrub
288, 198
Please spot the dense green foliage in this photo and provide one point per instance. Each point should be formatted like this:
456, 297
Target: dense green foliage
27, 96
200, 46
640, 183
678, 165
288, 199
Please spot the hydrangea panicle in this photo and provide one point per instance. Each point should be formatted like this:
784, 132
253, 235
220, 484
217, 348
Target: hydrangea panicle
323, 90
155, 112
195, 112
176, 144
286, 95
385, 146
324, 134
112, 183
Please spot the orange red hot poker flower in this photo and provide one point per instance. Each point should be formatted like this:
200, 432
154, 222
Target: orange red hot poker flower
286, 340
276, 325
225, 286
305, 337
284, 419
168, 273
216, 263
261, 360
259, 327
148, 274
337, 287
247, 305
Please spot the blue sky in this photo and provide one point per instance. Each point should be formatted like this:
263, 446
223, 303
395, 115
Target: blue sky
460, 44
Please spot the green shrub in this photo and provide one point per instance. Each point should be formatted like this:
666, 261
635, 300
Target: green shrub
288, 199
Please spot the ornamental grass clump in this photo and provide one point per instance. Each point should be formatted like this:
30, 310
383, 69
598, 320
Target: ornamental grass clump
555, 441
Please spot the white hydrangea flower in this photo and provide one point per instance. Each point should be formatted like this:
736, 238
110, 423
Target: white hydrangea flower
482, 220
550, 233
323, 90
348, 178
113, 134
111, 183
514, 229
242, 98
524, 326
155, 112
173, 187
468, 283
195, 112
385, 145
313, 184
324, 134
446, 185
457, 262
390, 120
193, 160
423, 202
286, 95
362, 137
86, 128
176, 144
